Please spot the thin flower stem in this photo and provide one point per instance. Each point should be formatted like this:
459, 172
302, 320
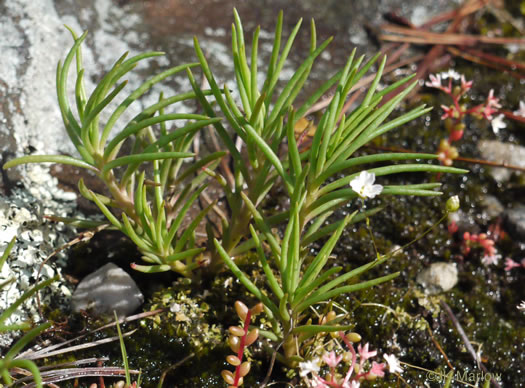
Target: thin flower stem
466, 341
240, 353
437, 373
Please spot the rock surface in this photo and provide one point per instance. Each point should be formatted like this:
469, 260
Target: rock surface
439, 277
106, 290
514, 219
496, 151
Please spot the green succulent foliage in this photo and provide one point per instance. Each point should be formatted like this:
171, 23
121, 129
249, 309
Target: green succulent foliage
316, 179
11, 359
151, 210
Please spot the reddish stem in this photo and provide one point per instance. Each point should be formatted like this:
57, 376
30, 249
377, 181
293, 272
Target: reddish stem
240, 353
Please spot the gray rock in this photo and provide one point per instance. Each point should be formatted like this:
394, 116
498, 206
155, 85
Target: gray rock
492, 206
514, 219
106, 290
496, 151
439, 277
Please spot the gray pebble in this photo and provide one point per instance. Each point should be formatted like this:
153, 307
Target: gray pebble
106, 290
439, 277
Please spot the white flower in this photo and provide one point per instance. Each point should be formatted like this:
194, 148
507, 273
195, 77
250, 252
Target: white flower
310, 366
491, 259
394, 365
451, 74
435, 81
521, 306
521, 110
498, 123
364, 186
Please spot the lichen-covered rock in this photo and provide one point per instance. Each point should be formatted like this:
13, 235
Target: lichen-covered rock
106, 290
439, 277
22, 216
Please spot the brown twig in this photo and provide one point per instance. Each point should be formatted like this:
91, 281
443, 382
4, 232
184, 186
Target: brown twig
459, 159
438, 346
489, 63
364, 82
494, 58
58, 375
172, 367
436, 56
270, 368
467, 8
426, 37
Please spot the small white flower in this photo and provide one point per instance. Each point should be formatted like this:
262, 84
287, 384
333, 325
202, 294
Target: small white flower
394, 365
521, 110
435, 81
521, 306
364, 186
492, 259
310, 366
451, 74
498, 123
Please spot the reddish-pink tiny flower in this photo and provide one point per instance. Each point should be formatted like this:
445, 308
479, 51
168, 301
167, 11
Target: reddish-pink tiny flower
449, 112
509, 264
331, 359
435, 81
493, 101
465, 85
364, 353
377, 369
488, 111
491, 106
452, 227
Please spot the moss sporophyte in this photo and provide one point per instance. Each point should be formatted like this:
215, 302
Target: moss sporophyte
151, 189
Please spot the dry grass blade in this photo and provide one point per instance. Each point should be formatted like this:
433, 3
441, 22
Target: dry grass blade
362, 83
59, 375
489, 60
419, 36
49, 353
50, 350
459, 158
84, 361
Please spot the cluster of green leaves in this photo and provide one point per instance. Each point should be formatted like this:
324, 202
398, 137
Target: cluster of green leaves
154, 190
151, 210
11, 358
312, 178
